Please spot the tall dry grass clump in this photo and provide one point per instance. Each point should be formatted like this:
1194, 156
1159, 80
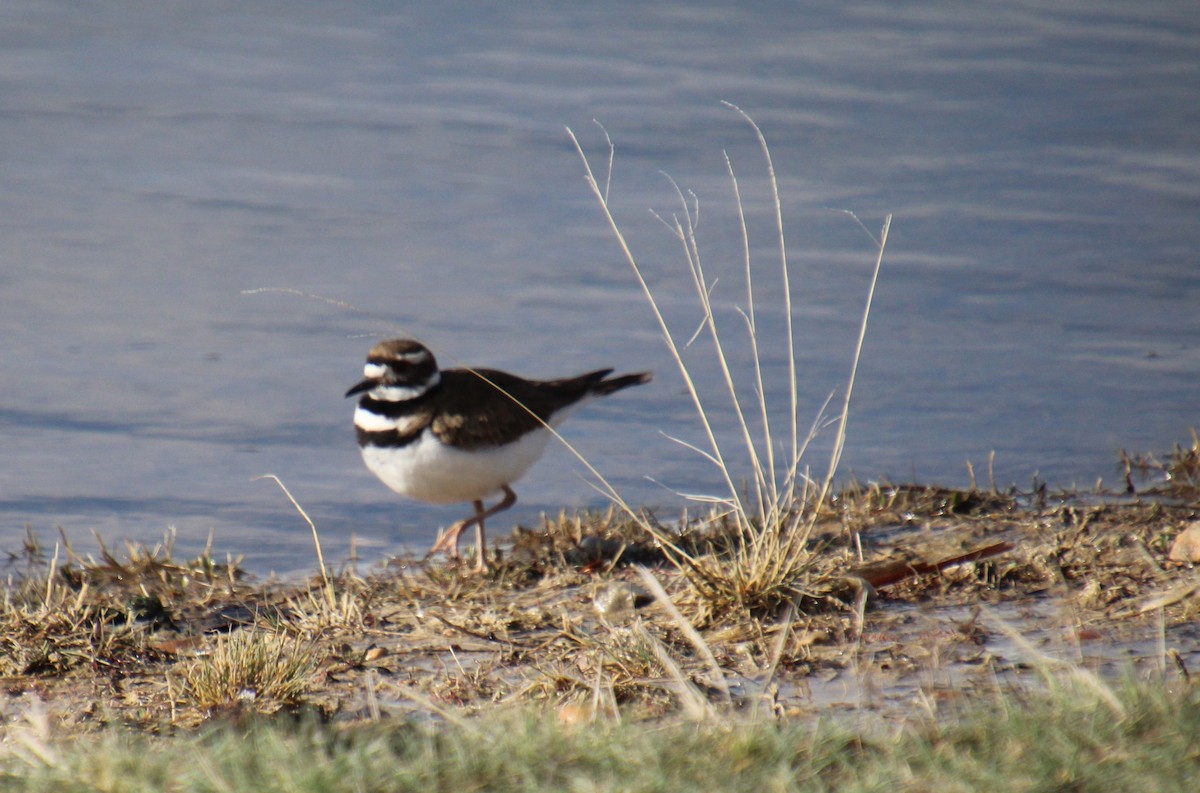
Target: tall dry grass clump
772, 503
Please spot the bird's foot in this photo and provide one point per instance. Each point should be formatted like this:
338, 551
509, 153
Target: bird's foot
448, 542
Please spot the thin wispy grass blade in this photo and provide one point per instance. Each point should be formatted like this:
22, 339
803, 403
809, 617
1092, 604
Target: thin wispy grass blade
770, 506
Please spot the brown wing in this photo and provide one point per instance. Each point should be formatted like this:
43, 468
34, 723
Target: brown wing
484, 408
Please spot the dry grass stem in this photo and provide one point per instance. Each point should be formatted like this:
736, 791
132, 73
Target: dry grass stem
329, 593
767, 562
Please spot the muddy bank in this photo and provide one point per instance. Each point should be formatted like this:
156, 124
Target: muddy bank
920, 599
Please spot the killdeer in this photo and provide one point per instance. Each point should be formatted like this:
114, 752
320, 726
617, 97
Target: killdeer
460, 434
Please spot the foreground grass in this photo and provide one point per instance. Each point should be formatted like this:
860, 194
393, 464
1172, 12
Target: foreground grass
1066, 741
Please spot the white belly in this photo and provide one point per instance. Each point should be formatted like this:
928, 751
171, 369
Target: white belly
431, 471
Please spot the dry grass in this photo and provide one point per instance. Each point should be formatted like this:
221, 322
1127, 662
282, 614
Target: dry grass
770, 505
248, 668
97, 612
566, 622
450, 679
1177, 470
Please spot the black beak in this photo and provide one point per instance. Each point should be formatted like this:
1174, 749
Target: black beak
365, 385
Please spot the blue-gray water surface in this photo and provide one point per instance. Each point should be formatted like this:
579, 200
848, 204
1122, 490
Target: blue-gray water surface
1038, 298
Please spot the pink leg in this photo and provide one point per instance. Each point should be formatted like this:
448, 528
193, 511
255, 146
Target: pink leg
449, 540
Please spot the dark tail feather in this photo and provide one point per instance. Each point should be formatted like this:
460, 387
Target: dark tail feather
605, 387
573, 389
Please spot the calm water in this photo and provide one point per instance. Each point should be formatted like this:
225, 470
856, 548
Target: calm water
1039, 296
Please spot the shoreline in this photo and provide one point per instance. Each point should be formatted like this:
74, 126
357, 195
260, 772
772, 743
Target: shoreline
568, 617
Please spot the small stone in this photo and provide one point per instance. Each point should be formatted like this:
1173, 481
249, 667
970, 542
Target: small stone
618, 599
574, 713
1186, 548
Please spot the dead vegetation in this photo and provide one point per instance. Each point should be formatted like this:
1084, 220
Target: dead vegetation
1175, 474
587, 615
